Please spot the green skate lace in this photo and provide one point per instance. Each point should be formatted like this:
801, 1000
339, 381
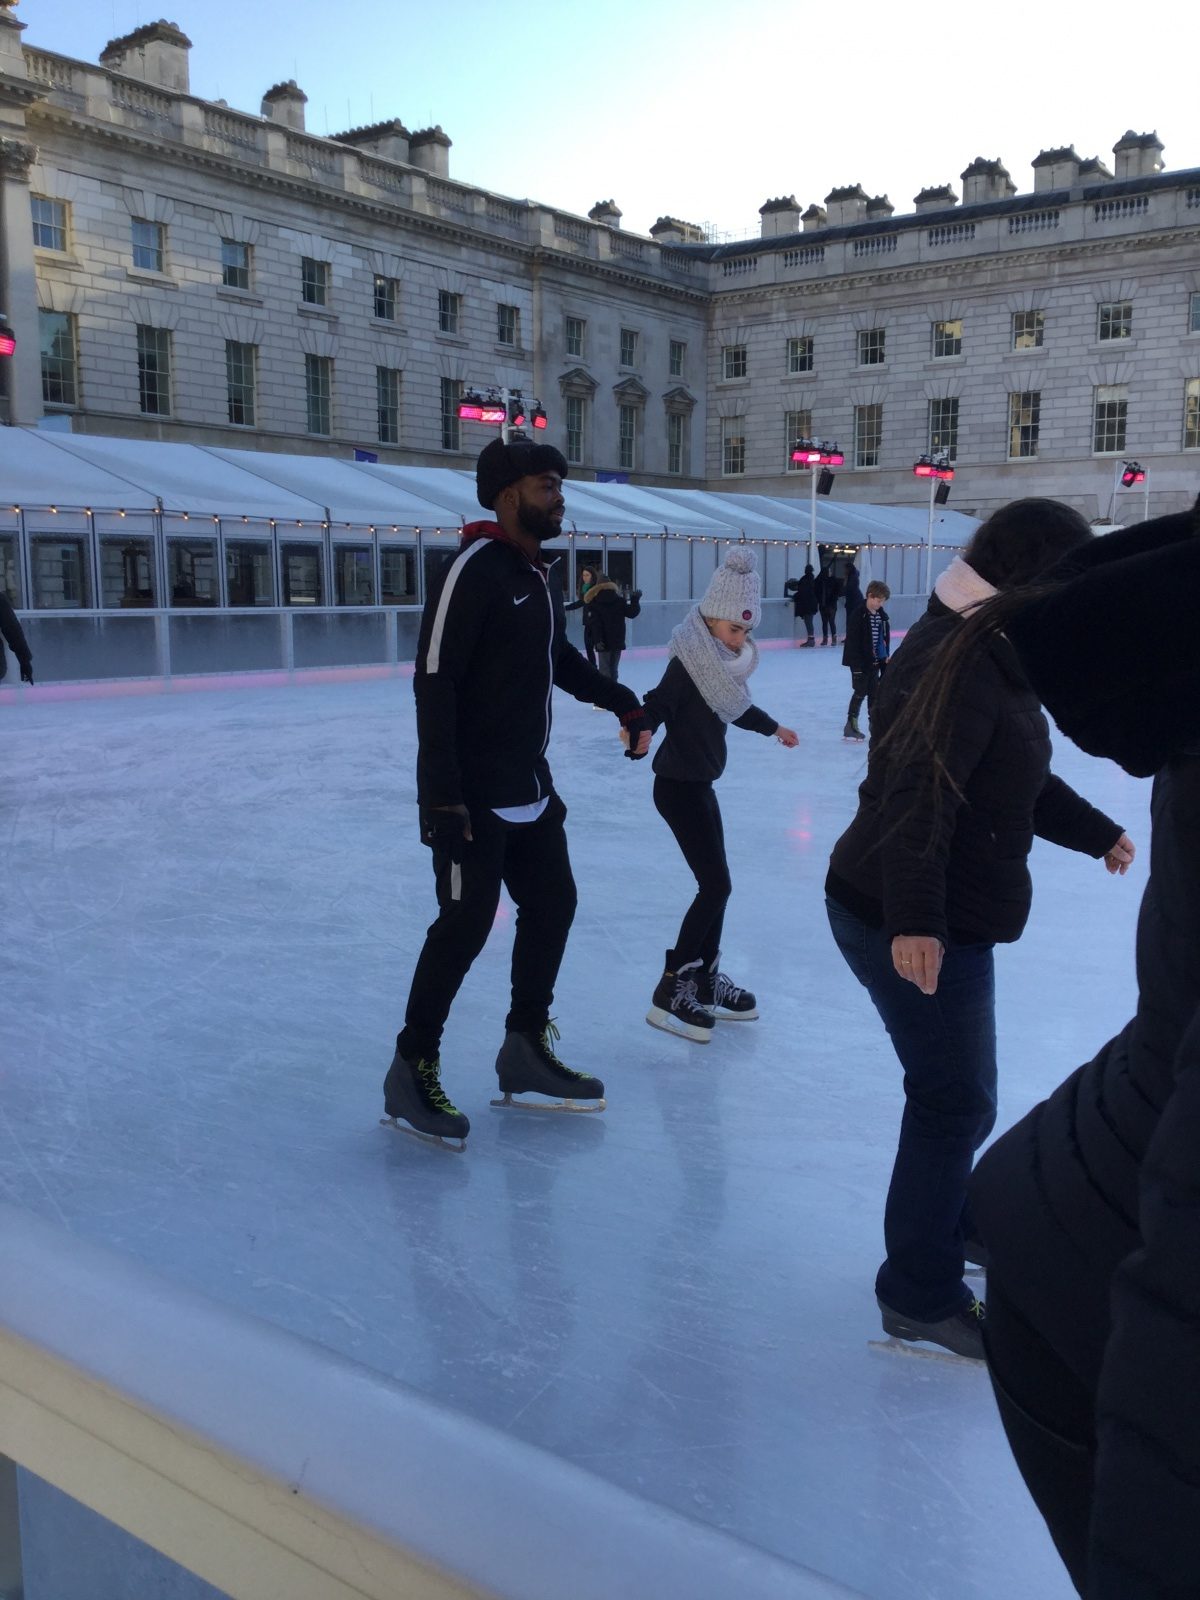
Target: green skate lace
551, 1033
429, 1071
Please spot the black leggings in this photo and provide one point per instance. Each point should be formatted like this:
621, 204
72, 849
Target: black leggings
691, 812
1048, 1414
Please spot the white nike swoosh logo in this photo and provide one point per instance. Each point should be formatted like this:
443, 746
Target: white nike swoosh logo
521, 601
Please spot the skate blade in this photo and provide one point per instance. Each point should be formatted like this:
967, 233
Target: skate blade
455, 1145
507, 1103
737, 1016
682, 1030
925, 1352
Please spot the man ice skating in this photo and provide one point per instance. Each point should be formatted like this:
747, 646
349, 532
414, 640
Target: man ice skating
492, 648
13, 633
868, 646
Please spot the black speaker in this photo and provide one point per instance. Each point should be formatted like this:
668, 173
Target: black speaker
941, 494
825, 481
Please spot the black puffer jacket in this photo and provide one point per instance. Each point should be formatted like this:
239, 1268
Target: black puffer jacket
804, 596
12, 631
972, 883
1090, 1205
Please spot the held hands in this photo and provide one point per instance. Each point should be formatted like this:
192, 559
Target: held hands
919, 959
1120, 858
635, 734
787, 737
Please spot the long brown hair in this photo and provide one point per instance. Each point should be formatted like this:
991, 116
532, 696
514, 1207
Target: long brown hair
1013, 550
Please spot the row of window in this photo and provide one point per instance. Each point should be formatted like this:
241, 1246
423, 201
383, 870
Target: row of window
1027, 331
148, 253
1110, 418
629, 346
61, 577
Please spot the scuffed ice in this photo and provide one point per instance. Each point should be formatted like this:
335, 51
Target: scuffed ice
212, 905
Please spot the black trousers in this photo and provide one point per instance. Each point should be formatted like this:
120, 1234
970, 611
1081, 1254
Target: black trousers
806, 619
863, 685
607, 661
1048, 1413
691, 812
530, 860
829, 622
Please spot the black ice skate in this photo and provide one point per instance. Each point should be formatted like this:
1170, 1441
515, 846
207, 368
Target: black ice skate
527, 1064
852, 730
961, 1334
412, 1094
721, 996
675, 1008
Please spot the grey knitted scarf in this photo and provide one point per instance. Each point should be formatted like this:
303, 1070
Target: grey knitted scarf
717, 671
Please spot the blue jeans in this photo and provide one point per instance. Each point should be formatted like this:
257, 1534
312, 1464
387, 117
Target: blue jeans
946, 1043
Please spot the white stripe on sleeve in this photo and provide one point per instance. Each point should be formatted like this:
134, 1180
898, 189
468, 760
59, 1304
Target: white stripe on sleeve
434, 652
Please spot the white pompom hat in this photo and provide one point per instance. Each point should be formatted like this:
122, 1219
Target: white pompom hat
735, 592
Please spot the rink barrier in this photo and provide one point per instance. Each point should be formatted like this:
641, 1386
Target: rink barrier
149, 652
268, 1465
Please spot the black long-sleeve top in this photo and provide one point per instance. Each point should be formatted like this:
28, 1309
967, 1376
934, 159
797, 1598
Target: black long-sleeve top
14, 636
694, 748
491, 651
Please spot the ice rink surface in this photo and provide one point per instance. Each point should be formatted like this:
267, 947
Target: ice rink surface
212, 906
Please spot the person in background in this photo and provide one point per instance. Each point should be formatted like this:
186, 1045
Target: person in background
853, 595
587, 577
931, 874
804, 603
829, 592
609, 610
868, 645
1089, 1207
702, 691
14, 636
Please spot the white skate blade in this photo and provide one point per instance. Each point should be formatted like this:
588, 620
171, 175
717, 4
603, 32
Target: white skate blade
658, 1018
925, 1352
735, 1016
507, 1103
455, 1145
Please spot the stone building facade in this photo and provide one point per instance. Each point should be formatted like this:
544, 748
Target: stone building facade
197, 273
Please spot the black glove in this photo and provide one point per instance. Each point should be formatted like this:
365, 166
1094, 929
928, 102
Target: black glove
446, 828
27, 672
635, 724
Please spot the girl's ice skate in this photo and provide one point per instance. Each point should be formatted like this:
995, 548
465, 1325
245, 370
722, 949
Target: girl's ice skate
412, 1094
721, 996
675, 1007
527, 1064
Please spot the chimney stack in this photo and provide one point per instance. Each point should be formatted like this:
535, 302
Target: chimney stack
940, 198
1139, 155
670, 230
780, 217
607, 213
429, 149
1055, 169
156, 54
815, 217
848, 204
388, 140
284, 104
986, 180
879, 207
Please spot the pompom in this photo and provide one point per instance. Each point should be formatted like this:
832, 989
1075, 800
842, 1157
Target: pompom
739, 560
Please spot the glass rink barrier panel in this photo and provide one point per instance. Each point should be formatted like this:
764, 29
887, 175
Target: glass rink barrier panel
73, 649
338, 639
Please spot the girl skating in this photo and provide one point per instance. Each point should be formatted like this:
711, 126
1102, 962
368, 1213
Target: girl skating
702, 691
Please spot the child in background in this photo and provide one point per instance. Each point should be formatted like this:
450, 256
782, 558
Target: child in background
868, 645
702, 691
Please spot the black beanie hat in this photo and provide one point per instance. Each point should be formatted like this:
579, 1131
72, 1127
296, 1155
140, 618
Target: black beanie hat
500, 464
1111, 656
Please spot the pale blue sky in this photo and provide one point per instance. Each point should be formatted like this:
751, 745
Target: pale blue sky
698, 108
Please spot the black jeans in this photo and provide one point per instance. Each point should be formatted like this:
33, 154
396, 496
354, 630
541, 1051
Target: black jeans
946, 1043
829, 622
691, 812
607, 662
530, 860
863, 685
806, 620
1049, 1416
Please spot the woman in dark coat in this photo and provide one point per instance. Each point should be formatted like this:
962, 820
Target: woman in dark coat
14, 635
931, 874
829, 592
804, 603
1090, 1206
853, 594
608, 610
